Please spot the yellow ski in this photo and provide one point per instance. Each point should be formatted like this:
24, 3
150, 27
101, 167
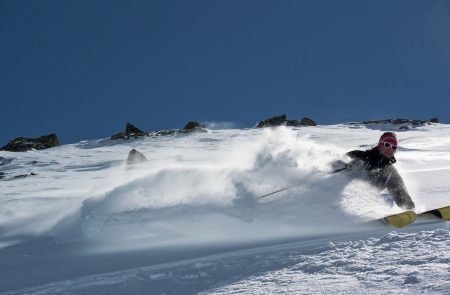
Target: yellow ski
400, 219
441, 213
407, 217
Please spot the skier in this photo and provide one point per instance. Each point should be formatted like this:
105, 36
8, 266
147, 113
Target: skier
377, 165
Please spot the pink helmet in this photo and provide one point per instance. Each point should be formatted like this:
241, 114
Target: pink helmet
388, 139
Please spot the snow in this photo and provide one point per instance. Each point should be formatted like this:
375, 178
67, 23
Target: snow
190, 220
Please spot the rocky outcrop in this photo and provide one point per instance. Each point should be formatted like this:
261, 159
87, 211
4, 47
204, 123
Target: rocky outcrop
305, 121
272, 122
401, 124
193, 127
292, 123
22, 144
403, 121
283, 121
135, 157
131, 131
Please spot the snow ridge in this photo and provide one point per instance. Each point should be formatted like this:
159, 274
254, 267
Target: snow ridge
395, 262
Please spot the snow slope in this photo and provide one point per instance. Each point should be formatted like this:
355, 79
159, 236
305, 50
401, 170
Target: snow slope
190, 220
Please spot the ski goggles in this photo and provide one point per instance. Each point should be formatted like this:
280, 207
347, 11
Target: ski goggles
388, 145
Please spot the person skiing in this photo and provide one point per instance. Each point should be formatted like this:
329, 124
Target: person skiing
377, 165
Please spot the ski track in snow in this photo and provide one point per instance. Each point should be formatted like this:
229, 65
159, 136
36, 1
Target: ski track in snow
400, 263
201, 191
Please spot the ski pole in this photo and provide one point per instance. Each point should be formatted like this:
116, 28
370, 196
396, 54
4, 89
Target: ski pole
278, 191
289, 187
338, 170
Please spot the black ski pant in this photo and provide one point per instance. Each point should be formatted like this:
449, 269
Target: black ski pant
389, 178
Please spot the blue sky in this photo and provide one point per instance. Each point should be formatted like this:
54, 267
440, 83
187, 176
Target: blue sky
82, 69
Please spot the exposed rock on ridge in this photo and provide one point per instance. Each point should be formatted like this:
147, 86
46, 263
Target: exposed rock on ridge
132, 131
22, 144
401, 124
193, 127
402, 121
283, 121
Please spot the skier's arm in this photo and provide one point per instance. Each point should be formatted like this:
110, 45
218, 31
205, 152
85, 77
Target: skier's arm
361, 155
359, 159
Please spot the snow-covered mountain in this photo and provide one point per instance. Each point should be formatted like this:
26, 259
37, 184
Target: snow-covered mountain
191, 220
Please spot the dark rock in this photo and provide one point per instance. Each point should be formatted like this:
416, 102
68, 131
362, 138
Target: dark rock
131, 130
22, 144
193, 127
272, 122
190, 127
2, 175
403, 121
135, 157
282, 120
293, 123
308, 122
406, 122
399, 124
24, 175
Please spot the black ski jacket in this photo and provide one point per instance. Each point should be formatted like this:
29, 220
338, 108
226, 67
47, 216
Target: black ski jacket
372, 158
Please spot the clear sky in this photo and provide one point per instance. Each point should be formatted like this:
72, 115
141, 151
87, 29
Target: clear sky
82, 69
